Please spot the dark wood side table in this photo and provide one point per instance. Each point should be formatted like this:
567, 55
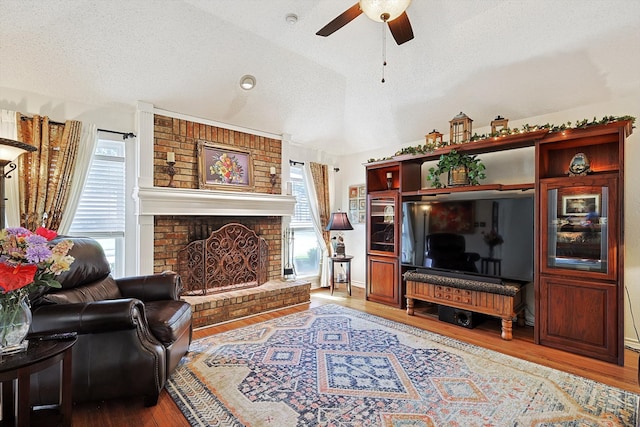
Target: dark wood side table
345, 259
17, 369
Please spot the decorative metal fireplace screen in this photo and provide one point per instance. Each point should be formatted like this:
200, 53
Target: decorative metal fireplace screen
233, 257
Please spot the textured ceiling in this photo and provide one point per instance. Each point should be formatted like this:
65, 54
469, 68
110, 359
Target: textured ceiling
518, 58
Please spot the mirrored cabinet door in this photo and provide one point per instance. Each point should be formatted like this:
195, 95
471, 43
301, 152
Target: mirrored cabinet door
579, 222
383, 208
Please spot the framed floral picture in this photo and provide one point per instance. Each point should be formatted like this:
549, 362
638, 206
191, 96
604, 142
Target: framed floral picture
222, 167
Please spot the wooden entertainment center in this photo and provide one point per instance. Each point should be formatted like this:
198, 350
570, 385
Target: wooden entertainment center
578, 258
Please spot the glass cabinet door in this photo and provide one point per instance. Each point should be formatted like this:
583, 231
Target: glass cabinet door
578, 222
382, 222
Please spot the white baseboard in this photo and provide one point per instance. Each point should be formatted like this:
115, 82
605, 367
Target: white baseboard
632, 344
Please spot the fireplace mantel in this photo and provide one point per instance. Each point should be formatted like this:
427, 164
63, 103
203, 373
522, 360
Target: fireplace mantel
179, 201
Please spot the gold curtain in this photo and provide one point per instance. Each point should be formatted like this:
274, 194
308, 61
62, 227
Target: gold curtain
320, 176
46, 174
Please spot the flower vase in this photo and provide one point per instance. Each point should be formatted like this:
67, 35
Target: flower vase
15, 320
491, 251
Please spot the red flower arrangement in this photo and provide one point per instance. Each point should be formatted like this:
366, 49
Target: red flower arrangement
27, 262
27, 258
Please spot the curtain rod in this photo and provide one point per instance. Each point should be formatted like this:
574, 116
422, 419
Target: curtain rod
125, 135
23, 118
293, 163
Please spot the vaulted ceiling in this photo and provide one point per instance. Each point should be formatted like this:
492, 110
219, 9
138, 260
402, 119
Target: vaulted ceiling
517, 58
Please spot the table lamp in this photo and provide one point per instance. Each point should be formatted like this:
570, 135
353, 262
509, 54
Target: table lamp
339, 221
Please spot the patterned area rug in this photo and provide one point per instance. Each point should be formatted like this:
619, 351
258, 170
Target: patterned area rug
334, 366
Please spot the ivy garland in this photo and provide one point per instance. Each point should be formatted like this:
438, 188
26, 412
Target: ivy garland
580, 124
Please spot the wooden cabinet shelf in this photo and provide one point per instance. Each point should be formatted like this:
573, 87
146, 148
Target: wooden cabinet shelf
467, 189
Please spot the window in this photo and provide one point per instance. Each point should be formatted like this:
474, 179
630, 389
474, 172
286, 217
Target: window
101, 209
305, 247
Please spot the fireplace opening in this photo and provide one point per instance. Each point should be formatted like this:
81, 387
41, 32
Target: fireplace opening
232, 257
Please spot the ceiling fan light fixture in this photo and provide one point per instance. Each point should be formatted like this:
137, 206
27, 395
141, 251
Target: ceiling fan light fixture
247, 82
383, 10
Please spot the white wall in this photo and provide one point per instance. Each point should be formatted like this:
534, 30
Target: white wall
354, 173
119, 118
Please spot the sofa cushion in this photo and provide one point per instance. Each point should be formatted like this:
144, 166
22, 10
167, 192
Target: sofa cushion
90, 265
98, 291
168, 319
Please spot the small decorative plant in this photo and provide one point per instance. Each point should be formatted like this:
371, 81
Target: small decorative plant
474, 168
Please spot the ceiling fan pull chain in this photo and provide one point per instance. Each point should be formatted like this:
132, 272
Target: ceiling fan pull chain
384, 47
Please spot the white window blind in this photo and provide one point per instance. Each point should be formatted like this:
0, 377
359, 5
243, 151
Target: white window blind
306, 248
302, 211
101, 209
101, 206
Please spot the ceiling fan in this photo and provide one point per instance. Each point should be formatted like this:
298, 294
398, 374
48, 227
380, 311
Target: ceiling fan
392, 12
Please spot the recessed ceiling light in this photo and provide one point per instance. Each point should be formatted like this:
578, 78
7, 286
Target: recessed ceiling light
291, 18
247, 82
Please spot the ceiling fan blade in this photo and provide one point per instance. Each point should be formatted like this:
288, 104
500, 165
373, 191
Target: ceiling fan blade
401, 28
340, 21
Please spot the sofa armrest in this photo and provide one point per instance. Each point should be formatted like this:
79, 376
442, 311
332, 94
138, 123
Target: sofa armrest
153, 287
90, 317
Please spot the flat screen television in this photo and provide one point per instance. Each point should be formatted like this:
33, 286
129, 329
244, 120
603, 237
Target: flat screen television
512, 218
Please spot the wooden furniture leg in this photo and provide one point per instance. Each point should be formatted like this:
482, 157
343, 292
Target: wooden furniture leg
507, 329
331, 278
410, 305
66, 386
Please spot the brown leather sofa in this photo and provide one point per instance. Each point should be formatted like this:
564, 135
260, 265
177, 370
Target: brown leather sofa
131, 332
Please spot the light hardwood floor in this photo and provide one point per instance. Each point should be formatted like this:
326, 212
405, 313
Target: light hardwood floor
131, 412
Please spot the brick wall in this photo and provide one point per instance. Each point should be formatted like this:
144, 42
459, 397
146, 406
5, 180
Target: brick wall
171, 233
225, 306
181, 137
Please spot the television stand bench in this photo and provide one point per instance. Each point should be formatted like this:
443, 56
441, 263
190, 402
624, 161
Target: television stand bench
503, 299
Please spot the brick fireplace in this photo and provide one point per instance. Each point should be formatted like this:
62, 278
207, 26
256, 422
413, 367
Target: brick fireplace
171, 232
168, 215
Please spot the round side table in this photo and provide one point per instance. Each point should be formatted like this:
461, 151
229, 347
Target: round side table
17, 369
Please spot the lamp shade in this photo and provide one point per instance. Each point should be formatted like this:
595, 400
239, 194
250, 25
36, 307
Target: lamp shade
11, 150
339, 221
374, 9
